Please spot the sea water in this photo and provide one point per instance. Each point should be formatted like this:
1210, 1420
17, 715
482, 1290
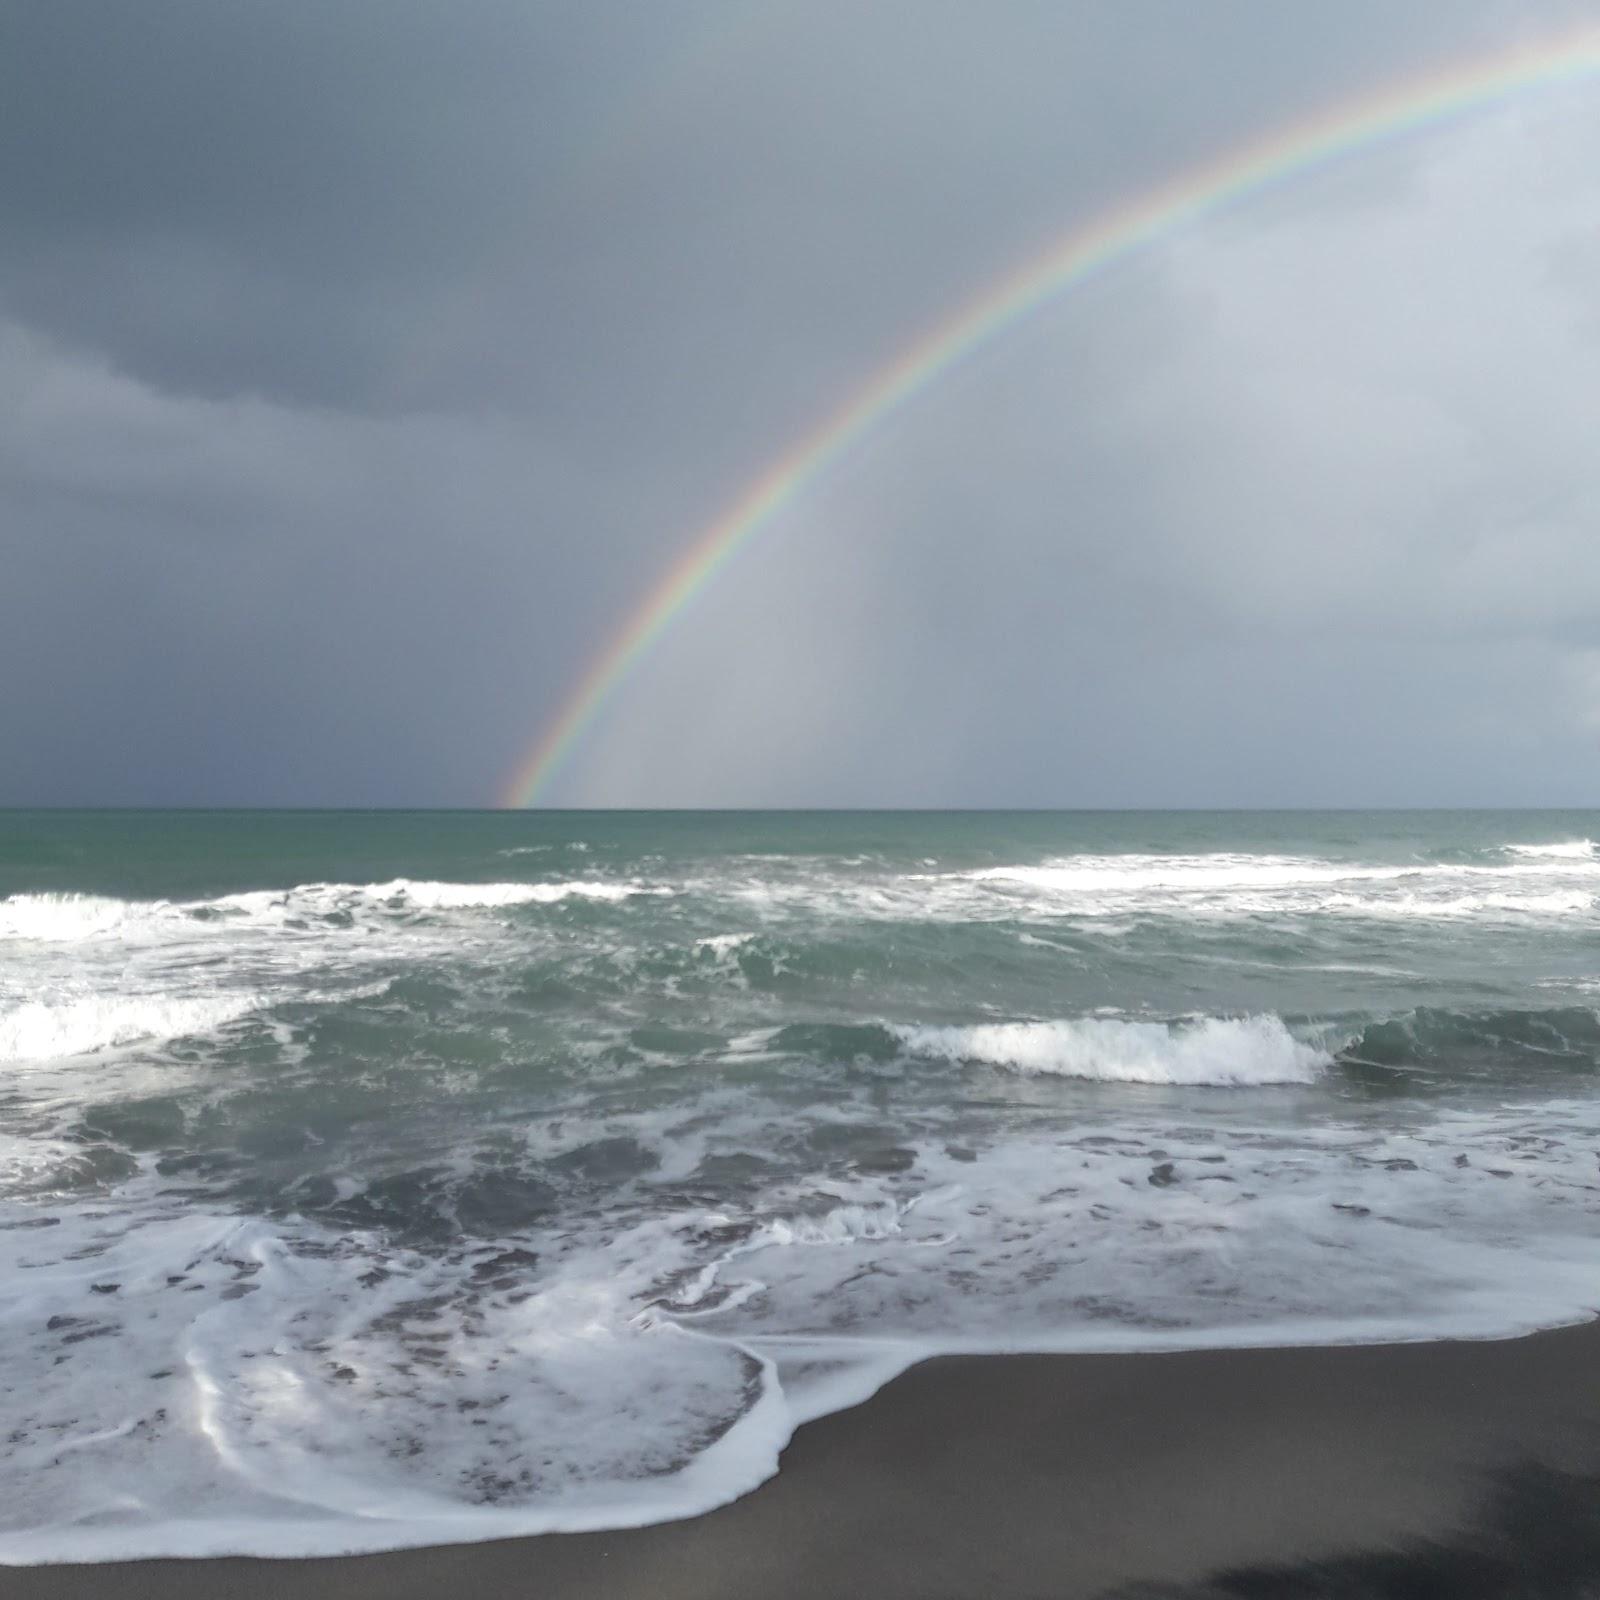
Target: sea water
369, 1180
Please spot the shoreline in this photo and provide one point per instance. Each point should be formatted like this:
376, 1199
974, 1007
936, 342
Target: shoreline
1316, 1469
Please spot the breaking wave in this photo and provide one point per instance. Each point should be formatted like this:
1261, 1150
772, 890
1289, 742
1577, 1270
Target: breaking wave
1207, 872
65, 917
42, 1030
1226, 1052
461, 896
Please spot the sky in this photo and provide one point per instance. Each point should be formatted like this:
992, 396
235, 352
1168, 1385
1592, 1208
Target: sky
364, 363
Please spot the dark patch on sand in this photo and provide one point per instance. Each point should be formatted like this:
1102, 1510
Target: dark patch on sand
1536, 1536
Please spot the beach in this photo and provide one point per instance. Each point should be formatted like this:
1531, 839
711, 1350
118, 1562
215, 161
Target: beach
1455, 1467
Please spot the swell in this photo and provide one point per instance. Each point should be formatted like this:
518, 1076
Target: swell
1440, 1038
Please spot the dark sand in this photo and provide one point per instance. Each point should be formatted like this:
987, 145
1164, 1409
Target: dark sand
1447, 1470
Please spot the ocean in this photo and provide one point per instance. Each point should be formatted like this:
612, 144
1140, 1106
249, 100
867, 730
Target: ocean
378, 1179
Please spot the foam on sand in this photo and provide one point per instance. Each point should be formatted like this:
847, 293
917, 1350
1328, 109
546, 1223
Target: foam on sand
194, 1382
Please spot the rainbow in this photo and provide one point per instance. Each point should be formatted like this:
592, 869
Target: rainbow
1395, 111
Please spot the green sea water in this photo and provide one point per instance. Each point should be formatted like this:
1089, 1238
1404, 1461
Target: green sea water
370, 1179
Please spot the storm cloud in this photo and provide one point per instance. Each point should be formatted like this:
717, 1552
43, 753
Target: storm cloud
363, 364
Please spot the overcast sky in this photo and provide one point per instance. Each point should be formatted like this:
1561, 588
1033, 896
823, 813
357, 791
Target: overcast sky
363, 362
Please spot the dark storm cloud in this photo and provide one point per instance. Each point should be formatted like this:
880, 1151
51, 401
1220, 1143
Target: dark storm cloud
229, 196
363, 203
361, 363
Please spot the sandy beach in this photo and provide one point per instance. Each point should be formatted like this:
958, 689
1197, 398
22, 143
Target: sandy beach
1460, 1469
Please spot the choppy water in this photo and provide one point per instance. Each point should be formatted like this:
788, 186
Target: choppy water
371, 1180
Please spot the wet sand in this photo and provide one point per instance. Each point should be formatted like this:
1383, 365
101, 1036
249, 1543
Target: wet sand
1448, 1469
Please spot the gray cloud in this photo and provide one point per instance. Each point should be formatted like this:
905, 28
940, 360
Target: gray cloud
361, 365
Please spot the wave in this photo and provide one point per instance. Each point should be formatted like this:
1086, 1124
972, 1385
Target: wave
65, 917
1449, 907
1219, 1051
42, 1030
68, 917
463, 896
1234, 1052
1554, 881
1208, 872
1568, 850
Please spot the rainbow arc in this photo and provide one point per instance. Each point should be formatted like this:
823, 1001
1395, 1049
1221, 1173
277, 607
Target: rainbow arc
1097, 245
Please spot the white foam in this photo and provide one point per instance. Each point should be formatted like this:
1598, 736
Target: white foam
45, 1030
57, 918
244, 1386
1136, 1235
1218, 1051
31, 1163
1554, 884
840, 1225
235, 1386
460, 896
1547, 883
1454, 907
1207, 872
1567, 850
65, 917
